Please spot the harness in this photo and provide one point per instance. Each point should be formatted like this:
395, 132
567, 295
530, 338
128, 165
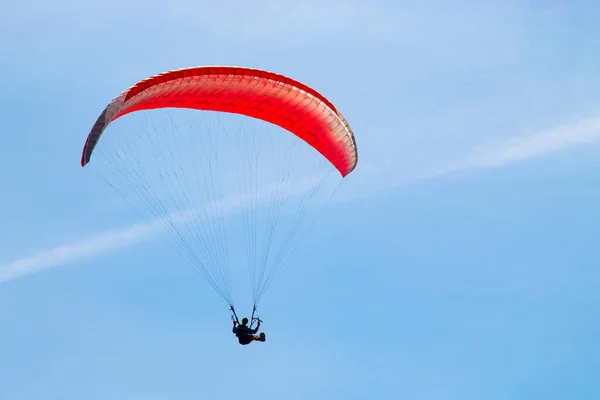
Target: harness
253, 319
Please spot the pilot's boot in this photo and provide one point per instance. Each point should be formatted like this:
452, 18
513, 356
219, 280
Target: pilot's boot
261, 337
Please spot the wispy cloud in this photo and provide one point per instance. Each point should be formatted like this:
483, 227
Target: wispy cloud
118, 238
539, 144
491, 155
510, 151
85, 248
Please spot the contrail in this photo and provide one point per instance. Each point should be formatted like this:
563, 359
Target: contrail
513, 150
536, 145
119, 238
88, 247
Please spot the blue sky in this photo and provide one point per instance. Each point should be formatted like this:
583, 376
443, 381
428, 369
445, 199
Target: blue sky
458, 261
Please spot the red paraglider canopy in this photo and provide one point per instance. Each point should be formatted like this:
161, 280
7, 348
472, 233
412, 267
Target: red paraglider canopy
255, 93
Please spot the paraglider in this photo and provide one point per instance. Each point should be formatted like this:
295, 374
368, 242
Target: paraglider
246, 334
198, 181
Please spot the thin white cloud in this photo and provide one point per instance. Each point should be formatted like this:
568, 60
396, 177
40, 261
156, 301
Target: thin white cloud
510, 151
500, 153
539, 144
85, 248
119, 238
